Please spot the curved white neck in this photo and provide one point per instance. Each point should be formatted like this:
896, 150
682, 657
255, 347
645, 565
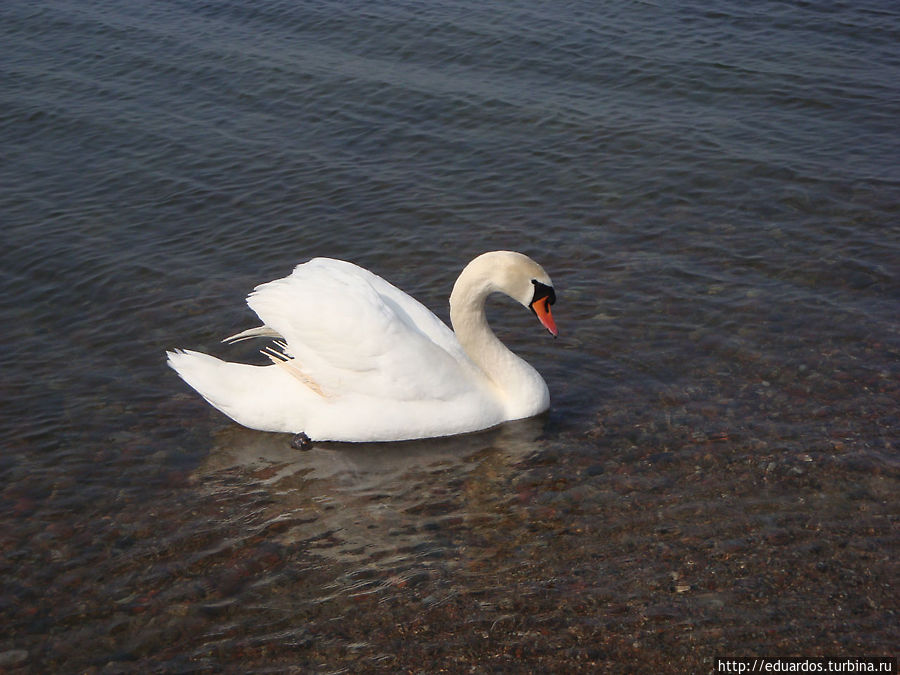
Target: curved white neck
520, 385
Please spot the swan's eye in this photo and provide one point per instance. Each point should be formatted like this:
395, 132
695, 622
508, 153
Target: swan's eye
542, 291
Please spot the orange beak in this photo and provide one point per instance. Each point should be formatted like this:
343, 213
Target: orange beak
542, 309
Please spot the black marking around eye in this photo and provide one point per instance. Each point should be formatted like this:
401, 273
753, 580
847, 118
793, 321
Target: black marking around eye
542, 291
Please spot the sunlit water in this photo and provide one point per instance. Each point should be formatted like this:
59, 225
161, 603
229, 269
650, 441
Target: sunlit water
713, 187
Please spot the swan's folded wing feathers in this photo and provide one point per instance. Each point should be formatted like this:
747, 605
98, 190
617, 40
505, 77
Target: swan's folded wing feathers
352, 330
258, 332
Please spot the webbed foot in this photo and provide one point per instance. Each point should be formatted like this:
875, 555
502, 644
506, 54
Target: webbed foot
301, 442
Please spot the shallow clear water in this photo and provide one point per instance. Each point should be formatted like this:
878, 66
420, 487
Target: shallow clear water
714, 189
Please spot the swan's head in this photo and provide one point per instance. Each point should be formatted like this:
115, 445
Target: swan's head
515, 275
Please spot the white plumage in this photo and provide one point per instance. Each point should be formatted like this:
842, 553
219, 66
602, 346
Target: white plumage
357, 359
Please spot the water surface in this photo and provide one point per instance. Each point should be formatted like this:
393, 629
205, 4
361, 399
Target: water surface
714, 189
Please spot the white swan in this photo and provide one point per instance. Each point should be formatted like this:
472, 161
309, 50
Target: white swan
357, 359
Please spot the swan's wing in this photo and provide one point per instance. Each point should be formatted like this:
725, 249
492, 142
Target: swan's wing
258, 332
350, 331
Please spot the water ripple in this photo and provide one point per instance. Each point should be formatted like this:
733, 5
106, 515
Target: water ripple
714, 190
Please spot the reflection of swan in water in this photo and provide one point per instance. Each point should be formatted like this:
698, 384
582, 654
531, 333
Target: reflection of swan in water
357, 468
358, 503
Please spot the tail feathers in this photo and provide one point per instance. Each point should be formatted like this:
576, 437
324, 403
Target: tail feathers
260, 397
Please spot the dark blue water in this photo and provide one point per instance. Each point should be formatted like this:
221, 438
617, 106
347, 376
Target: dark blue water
714, 188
